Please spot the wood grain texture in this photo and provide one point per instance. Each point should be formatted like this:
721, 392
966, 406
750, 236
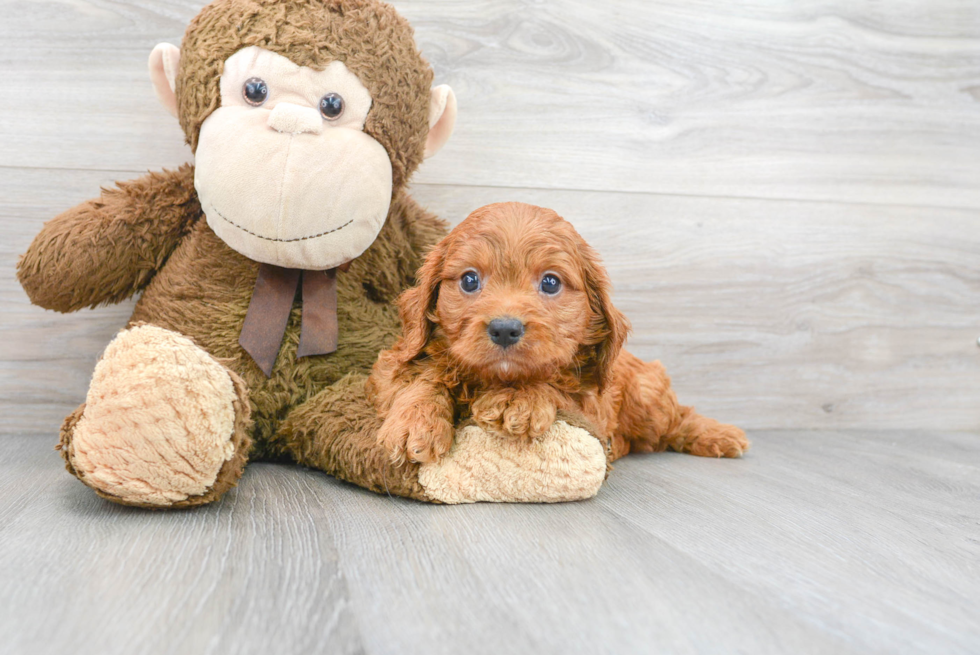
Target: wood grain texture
823, 99
816, 542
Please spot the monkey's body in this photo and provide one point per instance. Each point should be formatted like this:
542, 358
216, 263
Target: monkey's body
307, 117
202, 290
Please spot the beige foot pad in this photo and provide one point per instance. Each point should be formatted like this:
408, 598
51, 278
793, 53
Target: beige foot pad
158, 420
566, 463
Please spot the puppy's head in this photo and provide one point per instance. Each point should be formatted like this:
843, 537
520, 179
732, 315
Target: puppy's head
517, 294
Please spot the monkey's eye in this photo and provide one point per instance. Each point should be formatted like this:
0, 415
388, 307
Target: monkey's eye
331, 106
550, 284
469, 282
255, 91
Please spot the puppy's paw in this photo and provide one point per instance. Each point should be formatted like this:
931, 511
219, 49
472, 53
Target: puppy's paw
719, 440
429, 440
526, 418
514, 414
488, 409
420, 436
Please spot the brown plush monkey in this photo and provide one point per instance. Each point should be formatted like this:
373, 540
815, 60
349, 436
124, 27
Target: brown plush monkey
268, 270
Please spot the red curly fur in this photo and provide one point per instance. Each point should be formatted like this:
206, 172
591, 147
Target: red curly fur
445, 367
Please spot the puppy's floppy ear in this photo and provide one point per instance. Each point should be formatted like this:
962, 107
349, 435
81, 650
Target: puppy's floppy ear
609, 327
414, 308
415, 305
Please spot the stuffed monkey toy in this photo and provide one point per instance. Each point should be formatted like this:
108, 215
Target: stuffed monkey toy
269, 268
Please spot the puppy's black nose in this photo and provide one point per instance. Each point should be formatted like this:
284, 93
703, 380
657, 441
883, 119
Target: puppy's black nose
505, 331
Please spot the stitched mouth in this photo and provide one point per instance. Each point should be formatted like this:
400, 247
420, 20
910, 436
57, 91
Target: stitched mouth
259, 236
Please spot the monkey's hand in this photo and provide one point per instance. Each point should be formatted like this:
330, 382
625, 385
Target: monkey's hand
103, 251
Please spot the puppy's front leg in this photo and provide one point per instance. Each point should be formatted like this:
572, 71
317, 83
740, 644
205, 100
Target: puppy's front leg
521, 413
419, 425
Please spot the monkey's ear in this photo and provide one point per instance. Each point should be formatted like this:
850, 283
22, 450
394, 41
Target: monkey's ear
163, 73
442, 119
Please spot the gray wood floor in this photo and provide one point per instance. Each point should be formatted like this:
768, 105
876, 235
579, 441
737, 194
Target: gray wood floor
817, 542
786, 194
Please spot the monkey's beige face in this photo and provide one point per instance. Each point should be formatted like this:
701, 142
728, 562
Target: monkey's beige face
285, 173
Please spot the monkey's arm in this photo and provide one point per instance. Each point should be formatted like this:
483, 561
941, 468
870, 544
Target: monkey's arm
103, 251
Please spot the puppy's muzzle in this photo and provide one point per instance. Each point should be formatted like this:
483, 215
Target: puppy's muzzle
505, 331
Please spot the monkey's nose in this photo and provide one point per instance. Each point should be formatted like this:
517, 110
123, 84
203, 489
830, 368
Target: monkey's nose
295, 119
505, 331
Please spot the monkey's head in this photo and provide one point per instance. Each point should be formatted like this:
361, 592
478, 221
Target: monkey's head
305, 116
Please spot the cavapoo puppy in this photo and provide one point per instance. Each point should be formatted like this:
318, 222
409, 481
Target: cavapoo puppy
510, 322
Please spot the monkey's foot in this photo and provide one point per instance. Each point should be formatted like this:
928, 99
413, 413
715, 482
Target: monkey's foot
164, 423
565, 463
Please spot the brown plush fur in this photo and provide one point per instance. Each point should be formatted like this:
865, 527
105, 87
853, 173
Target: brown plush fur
149, 235
103, 251
446, 367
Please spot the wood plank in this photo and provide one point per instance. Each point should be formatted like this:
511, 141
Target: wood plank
840, 527
829, 542
767, 314
84, 576
824, 100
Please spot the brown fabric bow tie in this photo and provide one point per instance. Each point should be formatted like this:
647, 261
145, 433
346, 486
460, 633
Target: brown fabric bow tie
268, 313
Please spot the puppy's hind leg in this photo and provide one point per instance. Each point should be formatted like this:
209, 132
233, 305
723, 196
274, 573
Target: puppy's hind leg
650, 418
705, 437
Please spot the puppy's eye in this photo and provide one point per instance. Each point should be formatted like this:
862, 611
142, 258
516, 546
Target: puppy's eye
331, 106
255, 91
550, 284
469, 282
